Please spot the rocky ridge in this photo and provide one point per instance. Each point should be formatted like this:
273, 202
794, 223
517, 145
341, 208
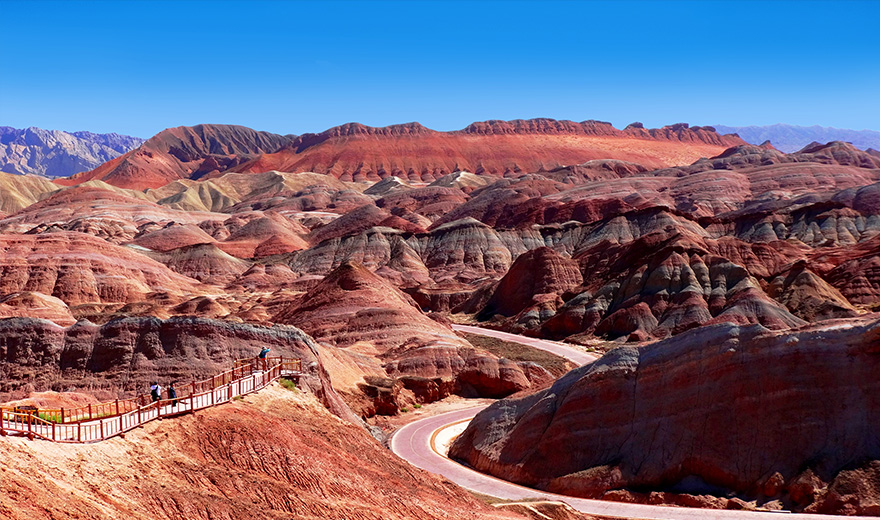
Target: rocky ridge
54, 153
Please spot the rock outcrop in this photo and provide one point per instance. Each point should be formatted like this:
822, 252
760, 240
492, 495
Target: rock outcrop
363, 317
20, 191
120, 358
721, 409
534, 284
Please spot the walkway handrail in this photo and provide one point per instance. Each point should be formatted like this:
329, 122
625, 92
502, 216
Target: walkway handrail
104, 420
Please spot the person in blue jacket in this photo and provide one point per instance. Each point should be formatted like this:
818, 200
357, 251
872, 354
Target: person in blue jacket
262, 356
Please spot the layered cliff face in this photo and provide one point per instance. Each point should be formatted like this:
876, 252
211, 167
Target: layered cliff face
120, 358
54, 153
720, 409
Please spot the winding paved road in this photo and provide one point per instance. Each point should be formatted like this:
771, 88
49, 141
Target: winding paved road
415, 444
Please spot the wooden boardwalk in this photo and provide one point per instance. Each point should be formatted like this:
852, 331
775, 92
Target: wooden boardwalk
102, 421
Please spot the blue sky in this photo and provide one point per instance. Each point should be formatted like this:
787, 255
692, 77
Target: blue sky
292, 67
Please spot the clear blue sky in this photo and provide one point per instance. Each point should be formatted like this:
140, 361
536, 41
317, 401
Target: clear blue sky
292, 67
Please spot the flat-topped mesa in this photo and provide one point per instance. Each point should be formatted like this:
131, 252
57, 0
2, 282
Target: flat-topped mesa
508, 148
542, 125
358, 130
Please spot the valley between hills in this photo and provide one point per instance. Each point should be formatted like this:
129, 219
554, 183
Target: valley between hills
729, 291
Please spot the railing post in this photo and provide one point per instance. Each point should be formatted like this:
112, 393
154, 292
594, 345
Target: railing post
90, 411
79, 432
117, 407
101, 422
62, 416
53, 431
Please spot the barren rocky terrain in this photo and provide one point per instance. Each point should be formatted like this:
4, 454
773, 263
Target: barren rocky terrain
277, 454
717, 267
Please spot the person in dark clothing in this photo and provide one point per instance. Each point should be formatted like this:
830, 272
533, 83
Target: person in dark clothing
172, 394
155, 391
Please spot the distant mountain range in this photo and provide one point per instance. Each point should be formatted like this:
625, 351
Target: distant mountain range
790, 138
356, 152
55, 153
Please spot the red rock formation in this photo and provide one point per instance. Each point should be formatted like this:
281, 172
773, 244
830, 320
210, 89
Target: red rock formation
358, 152
430, 202
78, 268
723, 408
661, 285
808, 296
206, 263
182, 153
535, 276
266, 235
356, 310
172, 236
351, 305
120, 358
106, 214
36, 305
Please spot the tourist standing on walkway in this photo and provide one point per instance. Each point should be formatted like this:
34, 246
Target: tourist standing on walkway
262, 356
172, 394
155, 391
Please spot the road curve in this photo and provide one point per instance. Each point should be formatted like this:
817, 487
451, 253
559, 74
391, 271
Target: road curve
560, 349
414, 443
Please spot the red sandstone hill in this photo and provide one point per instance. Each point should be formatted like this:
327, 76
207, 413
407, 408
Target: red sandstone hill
182, 153
768, 416
358, 152
377, 332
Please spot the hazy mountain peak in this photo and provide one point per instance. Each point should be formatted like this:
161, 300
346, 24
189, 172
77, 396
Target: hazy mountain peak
791, 138
55, 153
